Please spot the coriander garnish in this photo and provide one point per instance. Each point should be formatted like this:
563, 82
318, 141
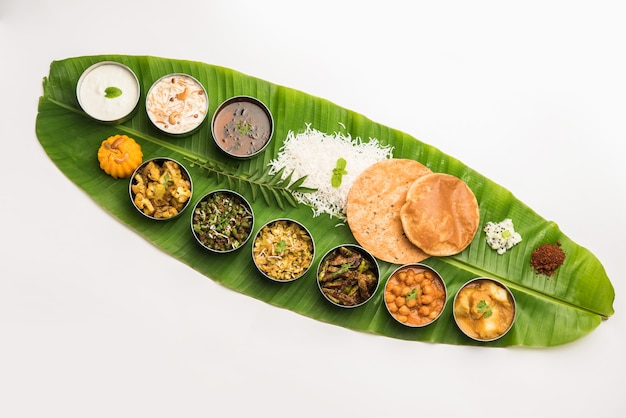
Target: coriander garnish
112, 92
411, 295
243, 127
280, 246
338, 172
484, 308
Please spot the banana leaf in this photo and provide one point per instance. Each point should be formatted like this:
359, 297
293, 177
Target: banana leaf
551, 310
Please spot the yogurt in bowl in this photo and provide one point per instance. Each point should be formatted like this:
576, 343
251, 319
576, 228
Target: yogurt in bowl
108, 92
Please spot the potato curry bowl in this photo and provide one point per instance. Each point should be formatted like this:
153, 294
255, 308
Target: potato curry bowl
484, 309
222, 221
283, 250
415, 295
348, 276
160, 188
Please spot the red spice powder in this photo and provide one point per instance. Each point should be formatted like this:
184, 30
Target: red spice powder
546, 258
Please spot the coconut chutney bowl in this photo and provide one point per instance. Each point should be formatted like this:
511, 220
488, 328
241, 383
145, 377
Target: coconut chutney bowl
484, 309
108, 92
348, 276
222, 221
242, 127
283, 250
160, 188
177, 104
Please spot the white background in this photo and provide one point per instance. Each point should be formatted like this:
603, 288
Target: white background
96, 322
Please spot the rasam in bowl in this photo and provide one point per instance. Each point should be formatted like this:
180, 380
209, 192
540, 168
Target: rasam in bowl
242, 127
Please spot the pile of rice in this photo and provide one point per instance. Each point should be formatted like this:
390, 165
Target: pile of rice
314, 154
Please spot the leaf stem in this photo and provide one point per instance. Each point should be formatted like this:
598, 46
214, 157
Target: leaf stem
281, 190
269, 185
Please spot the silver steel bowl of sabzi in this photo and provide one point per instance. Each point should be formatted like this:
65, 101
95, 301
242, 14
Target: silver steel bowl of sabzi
484, 309
348, 276
283, 250
222, 221
160, 188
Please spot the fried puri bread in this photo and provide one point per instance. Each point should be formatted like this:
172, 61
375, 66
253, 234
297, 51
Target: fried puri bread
373, 209
440, 214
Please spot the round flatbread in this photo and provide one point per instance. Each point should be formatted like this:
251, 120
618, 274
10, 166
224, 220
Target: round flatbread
440, 214
373, 209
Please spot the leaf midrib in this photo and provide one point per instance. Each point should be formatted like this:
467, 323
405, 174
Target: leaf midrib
478, 272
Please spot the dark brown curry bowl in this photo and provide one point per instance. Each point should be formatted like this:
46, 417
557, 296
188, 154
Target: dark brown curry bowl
415, 295
242, 127
222, 221
283, 250
160, 188
348, 276
484, 309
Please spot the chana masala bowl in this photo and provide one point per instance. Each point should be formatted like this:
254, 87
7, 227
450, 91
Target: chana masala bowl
484, 309
160, 188
348, 276
283, 250
415, 295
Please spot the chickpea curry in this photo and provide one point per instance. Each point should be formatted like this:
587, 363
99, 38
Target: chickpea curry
415, 295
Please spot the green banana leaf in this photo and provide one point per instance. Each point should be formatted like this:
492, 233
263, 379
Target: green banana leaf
551, 310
